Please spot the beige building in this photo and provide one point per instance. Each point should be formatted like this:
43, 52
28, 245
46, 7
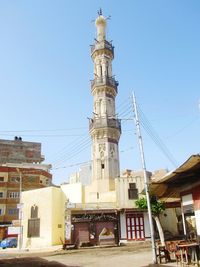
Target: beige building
20, 170
43, 217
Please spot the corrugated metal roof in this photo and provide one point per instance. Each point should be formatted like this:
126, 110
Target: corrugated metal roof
169, 186
192, 164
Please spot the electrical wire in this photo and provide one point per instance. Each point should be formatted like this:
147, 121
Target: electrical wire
75, 152
154, 136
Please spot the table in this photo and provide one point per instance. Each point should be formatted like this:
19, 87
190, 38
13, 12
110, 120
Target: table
185, 249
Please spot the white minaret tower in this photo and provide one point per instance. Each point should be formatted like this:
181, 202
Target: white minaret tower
105, 128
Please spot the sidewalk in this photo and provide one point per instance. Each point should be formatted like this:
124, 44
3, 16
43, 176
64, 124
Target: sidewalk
16, 252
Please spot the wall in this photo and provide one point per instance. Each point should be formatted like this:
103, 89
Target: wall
94, 194
146, 225
197, 216
196, 199
18, 151
122, 186
169, 221
74, 192
123, 225
58, 216
50, 204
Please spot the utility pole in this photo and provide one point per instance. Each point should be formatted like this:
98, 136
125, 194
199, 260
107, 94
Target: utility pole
146, 179
20, 209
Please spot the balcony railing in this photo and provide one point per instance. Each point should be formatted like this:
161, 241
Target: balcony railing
105, 122
104, 80
102, 45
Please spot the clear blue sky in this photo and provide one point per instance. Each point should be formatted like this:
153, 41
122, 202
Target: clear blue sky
45, 72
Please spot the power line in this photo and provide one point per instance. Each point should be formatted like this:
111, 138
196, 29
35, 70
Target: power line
69, 146
72, 165
45, 135
154, 136
49, 130
74, 152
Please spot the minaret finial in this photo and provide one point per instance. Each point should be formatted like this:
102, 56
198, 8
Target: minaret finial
100, 12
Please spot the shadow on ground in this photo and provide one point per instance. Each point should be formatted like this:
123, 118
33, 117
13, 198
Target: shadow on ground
31, 262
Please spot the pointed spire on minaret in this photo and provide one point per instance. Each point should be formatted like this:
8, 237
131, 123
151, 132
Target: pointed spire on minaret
101, 26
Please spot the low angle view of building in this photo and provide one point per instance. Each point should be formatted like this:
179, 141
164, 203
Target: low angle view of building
92, 199
102, 211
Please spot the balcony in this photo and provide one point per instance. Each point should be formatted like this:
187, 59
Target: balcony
102, 81
102, 45
104, 122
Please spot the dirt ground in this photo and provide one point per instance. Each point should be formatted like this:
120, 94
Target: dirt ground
127, 256
29, 262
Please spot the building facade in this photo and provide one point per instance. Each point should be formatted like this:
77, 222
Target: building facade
100, 206
20, 170
105, 128
19, 151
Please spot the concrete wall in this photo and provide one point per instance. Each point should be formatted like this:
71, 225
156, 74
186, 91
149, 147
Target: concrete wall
169, 221
74, 192
146, 225
122, 186
197, 216
50, 203
18, 151
123, 225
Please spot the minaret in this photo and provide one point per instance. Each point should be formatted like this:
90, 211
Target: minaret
105, 128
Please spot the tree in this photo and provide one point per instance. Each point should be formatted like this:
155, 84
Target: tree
157, 207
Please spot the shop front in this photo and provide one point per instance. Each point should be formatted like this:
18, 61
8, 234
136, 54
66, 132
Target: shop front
96, 227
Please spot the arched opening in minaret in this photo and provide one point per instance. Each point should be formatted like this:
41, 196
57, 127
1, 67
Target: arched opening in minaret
102, 169
100, 71
107, 69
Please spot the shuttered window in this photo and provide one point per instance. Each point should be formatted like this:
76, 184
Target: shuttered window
33, 227
132, 191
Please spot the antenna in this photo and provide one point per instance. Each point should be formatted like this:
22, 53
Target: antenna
99, 12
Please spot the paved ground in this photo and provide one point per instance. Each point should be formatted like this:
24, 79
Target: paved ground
126, 256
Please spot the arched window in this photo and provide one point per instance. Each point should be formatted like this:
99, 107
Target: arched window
34, 212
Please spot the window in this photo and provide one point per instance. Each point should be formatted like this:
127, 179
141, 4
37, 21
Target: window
132, 191
102, 165
13, 211
1, 211
34, 212
1, 194
15, 179
32, 179
34, 223
1, 179
132, 186
13, 194
33, 227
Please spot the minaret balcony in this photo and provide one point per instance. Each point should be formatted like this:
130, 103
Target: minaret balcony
102, 45
104, 122
102, 81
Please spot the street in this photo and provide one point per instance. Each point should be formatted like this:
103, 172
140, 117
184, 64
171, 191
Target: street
101, 257
128, 256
